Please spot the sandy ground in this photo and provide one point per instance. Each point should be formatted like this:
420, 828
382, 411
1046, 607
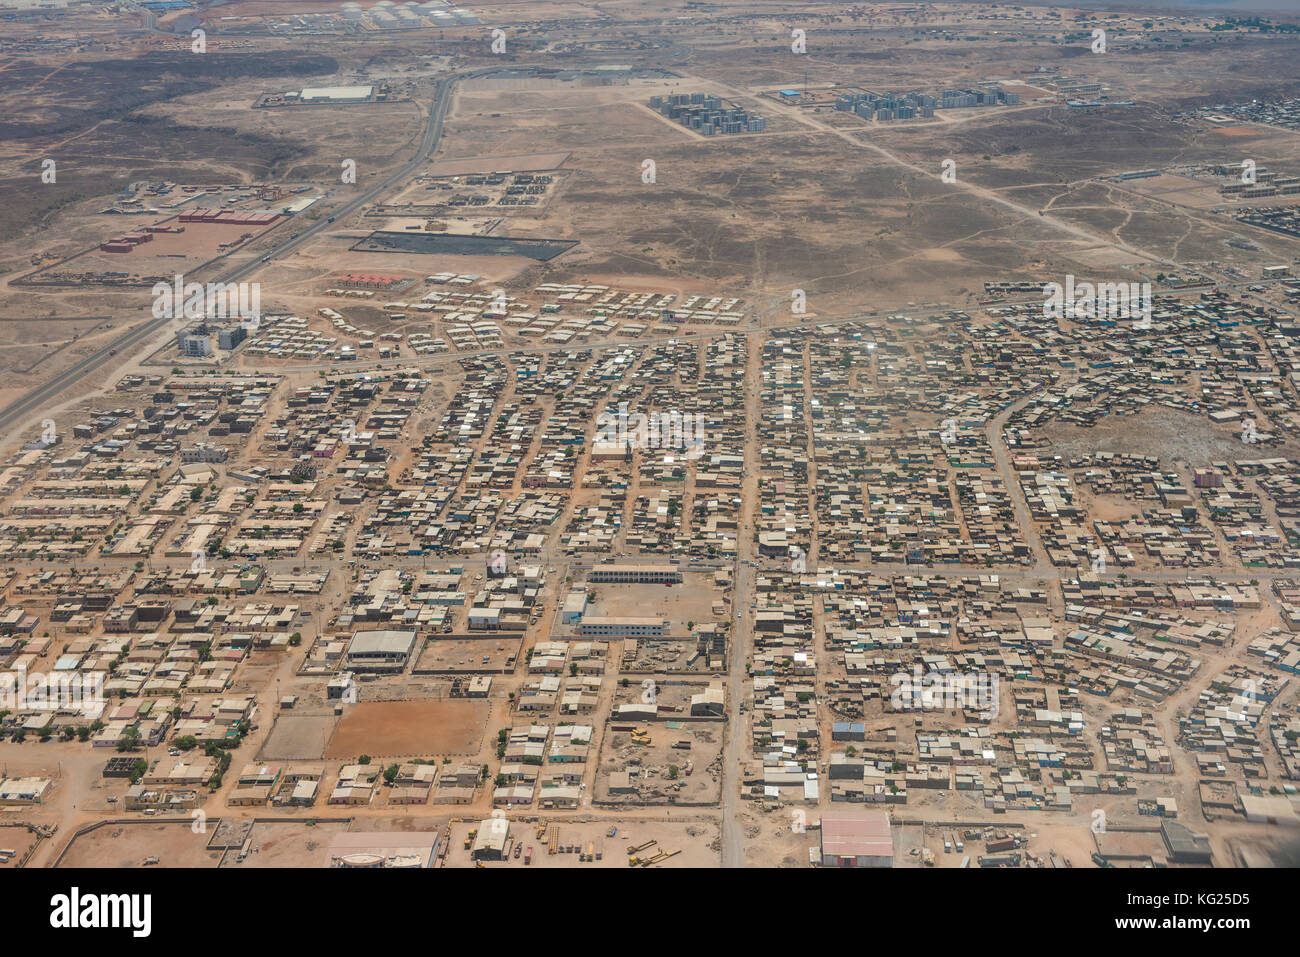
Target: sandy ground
174, 843
288, 845
16, 839
399, 728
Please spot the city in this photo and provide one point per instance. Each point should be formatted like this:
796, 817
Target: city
579, 436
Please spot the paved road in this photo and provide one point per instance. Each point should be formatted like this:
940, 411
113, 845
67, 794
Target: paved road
12, 416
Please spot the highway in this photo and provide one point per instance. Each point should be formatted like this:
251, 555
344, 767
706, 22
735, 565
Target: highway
12, 417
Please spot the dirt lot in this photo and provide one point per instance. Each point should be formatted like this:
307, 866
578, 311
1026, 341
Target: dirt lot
288, 844
298, 736
772, 838
395, 728
465, 655
1173, 435
120, 844
694, 784
664, 655
16, 839
680, 604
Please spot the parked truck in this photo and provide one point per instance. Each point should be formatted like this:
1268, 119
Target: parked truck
998, 845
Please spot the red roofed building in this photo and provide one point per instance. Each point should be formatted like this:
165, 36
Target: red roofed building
856, 839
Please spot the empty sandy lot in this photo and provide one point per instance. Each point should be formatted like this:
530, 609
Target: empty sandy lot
395, 728
298, 736
452, 655
18, 840
289, 844
119, 844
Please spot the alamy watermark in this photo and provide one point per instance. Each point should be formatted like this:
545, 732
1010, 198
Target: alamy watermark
1105, 300
215, 300
921, 690
75, 910
658, 430
39, 691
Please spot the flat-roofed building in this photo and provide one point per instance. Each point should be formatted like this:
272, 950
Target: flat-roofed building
1184, 845
484, 619
1269, 809
260, 775
335, 94
18, 791
575, 605
635, 574
380, 651
621, 627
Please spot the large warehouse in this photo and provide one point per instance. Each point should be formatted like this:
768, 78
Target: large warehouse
336, 94
380, 651
856, 839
